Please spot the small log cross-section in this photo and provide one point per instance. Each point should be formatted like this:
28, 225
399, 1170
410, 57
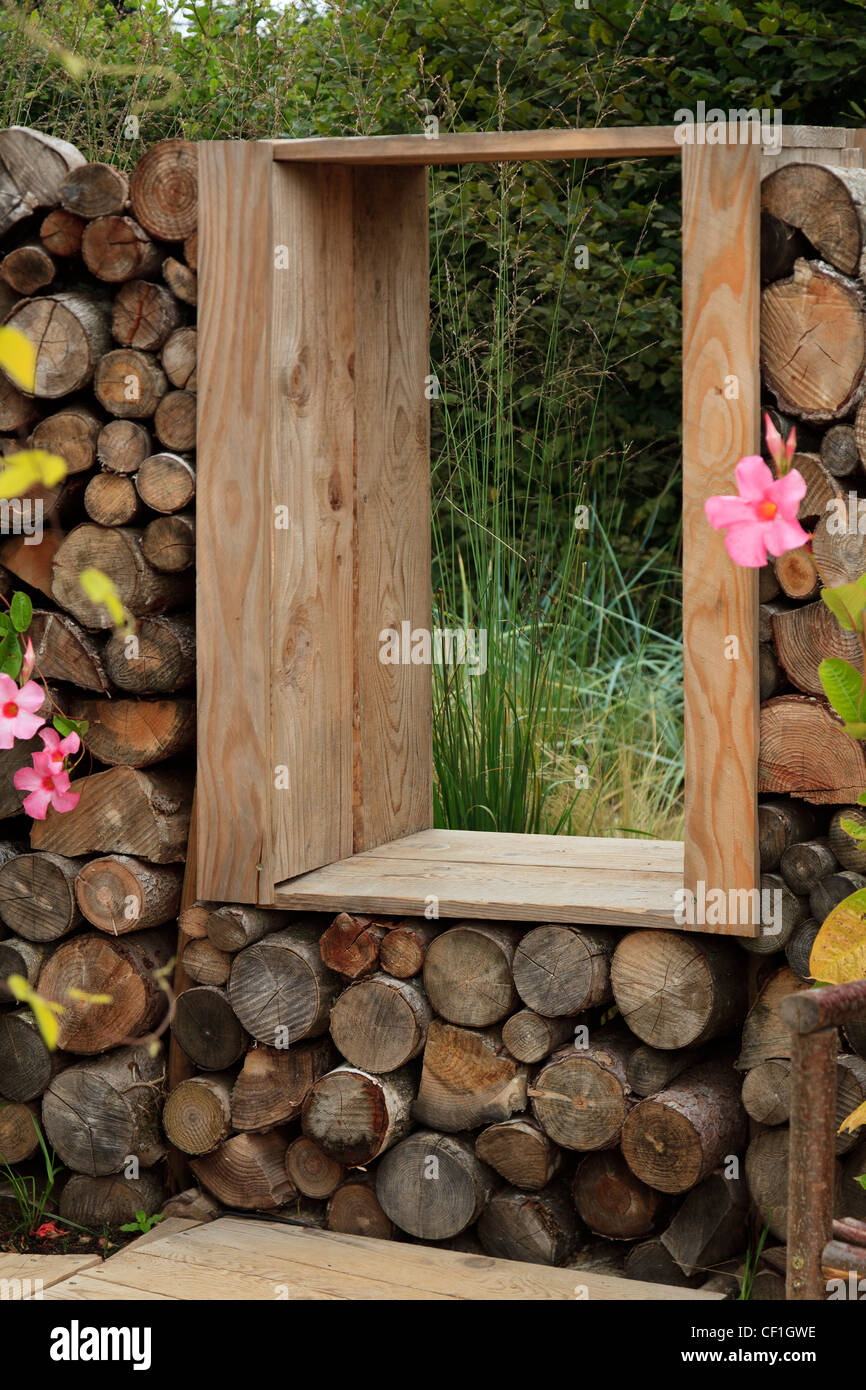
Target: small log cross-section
677, 991
827, 205
467, 973
806, 753
135, 733
674, 1139
563, 970
350, 945
404, 949
111, 1200
311, 1170
197, 1113
98, 1113
538, 1227
123, 811
467, 1079
520, 1152
118, 893
206, 1029
279, 988
26, 1064
231, 928
37, 896
530, 1037
247, 1171
381, 1023
354, 1117
273, 1083
116, 550
432, 1185
581, 1096
116, 976
611, 1201
813, 342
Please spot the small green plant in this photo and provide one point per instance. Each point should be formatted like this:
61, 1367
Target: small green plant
142, 1223
751, 1266
31, 1196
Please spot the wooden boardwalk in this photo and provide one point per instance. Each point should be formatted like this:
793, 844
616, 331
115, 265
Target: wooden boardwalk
233, 1258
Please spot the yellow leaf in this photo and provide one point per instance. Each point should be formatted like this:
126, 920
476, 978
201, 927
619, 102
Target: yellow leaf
100, 589
44, 1010
18, 358
30, 468
839, 950
854, 1120
88, 998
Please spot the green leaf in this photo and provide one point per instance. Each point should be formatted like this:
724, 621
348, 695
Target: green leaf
20, 612
5, 623
842, 684
857, 730
11, 656
854, 828
65, 726
861, 800
861, 1180
846, 602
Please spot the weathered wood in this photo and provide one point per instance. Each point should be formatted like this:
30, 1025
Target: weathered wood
279, 988
190, 249
70, 333
676, 1138
827, 205
354, 1116
832, 890
535, 1226
144, 315
765, 1033
797, 574
354, 1210
119, 893
468, 973
192, 920
163, 189
19, 1136
205, 964
174, 420
24, 958
72, 433
350, 946
611, 1201
123, 811
804, 637
192, 1205
380, 1024
806, 752
17, 411
100, 1112
432, 1185
721, 303
581, 1096
197, 1113
33, 167
94, 190
135, 733
64, 651
649, 1261
28, 268
783, 822
206, 1029
780, 911
166, 482
771, 677
92, 966
111, 1201
311, 1170
850, 852
273, 1083
813, 342
247, 1171
404, 948
123, 445
179, 357
117, 248
159, 661
168, 542
26, 1064
710, 1226
839, 551
678, 991
650, 1068
813, 1170
799, 948
840, 454
767, 1091
530, 1037
232, 928
467, 1079
110, 499
564, 970
804, 865
116, 550
61, 232
37, 896
520, 1152
780, 247
181, 280
129, 383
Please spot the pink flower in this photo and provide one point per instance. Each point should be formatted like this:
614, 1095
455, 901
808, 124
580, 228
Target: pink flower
52, 761
763, 519
46, 788
18, 717
777, 448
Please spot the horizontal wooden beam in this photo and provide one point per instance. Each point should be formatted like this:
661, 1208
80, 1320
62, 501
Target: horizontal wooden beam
490, 147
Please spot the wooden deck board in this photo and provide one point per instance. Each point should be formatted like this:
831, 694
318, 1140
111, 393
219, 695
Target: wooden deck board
233, 1258
50, 1269
528, 878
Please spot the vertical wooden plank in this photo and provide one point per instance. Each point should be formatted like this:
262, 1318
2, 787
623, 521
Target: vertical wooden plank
179, 1065
236, 259
393, 702
721, 305
311, 594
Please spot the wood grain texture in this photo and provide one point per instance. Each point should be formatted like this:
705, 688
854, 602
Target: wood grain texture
393, 748
311, 477
721, 213
481, 146
235, 394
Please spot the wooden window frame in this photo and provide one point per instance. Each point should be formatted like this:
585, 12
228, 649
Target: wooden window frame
313, 349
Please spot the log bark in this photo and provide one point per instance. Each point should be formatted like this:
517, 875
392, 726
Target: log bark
520, 1152
179, 357
101, 1112
37, 896
118, 893
797, 574
72, 433
354, 1210
206, 1029
279, 988
123, 445
432, 1185
26, 1064
311, 1170
805, 752
404, 948
123, 811
117, 248
129, 383
168, 543
530, 1037
803, 866
163, 189
611, 1201
828, 206
581, 1097
61, 233
94, 190
673, 1140
354, 1117
247, 1171
33, 167
813, 342
467, 1079
350, 946
782, 822
97, 966
64, 651
166, 482
839, 452
181, 280
561, 970
117, 552
197, 1113
111, 1201
467, 973
135, 733
675, 990
174, 420
799, 949
19, 1136
804, 637
70, 333
28, 268
159, 661
538, 1227
232, 928
273, 1083
851, 853
765, 1033
710, 1226
380, 1024
205, 964
110, 499
650, 1069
